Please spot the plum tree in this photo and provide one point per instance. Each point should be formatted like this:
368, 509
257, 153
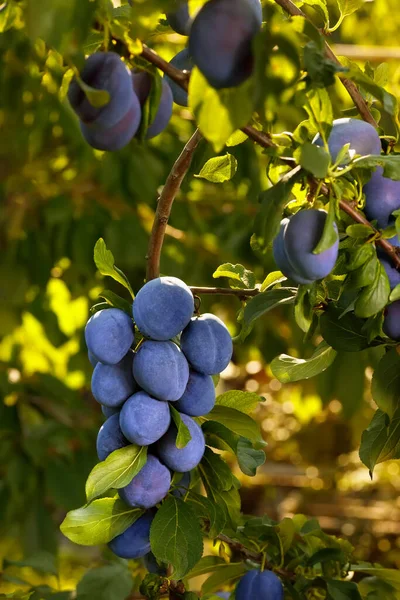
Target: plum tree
151, 564
184, 62
109, 335
117, 136
110, 437
281, 257
259, 584
149, 486
163, 307
142, 82
362, 137
207, 344
161, 369
300, 237
143, 419
199, 396
108, 411
382, 197
134, 542
182, 459
113, 384
220, 41
180, 19
391, 321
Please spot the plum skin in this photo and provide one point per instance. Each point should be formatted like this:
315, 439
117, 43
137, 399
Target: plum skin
143, 419
220, 41
362, 137
391, 321
199, 396
259, 584
184, 62
182, 459
134, 542
116, 137
180, 20
142, 82
110, 437
281, 258
149, 486
113, 384
207, 344
163, 307
109, 335
382, 197
161, 369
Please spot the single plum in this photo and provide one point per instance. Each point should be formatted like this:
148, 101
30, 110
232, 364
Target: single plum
113, 384
301, 236
108, 411
151, 564
362, 137
391, 271
161, 369
184, 62
180, 20
110, 437
259, 584
103, 71
199, 396
134, 542
220, 41
163, 307
207, 344
142, 82
382, 197
109, 335
143, 419
281, 257
182, 459
182, 486
149, 486
115, 137
391, 321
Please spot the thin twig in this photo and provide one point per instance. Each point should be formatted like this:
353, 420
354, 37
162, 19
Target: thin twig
165, 201
218, 291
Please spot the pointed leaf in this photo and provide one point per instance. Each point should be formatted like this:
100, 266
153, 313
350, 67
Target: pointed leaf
288, 368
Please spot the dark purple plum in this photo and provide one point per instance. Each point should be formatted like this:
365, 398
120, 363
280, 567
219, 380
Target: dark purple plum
110, 437
149, 486
143, 420
282, 259
182, 459
180, 19
382, 197
199, 396
362, 137
116, 137
184, 62
151, 564
391, 321
259, 584
142, 85
207, 344
113, 384
134, 542
109, 335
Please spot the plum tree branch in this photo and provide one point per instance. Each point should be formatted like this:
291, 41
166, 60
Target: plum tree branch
165, 201
219, 291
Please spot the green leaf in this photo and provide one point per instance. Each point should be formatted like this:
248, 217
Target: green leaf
226, 500
263, 303
217, 472
111, 582
237, 137
237, 273
219, 169
272, 279
319, 110
175, 536
320, 6
342, 590
288, 368
116, 301
229, 572
385, 387
238, 422
104, 261
249, 459
234, 107
99, 522
347, 7
183, 436
395, 293
342, 333
360, 256
321, 69
313, 159
10, 16
96, 97
359, 231
119, 468
207, 564
330, 233
375, 297
208, 511
390, 576
381, 440
245, 402
389, 162
41, 561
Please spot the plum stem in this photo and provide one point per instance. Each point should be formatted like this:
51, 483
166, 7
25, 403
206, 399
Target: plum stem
219, 291
164, 206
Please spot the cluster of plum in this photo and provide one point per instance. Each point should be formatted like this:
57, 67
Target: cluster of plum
135, 388
113, 125
299, 235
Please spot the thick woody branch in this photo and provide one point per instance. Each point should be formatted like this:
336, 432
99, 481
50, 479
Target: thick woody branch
165, 201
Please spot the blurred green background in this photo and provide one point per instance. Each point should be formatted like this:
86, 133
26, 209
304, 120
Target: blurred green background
57, 197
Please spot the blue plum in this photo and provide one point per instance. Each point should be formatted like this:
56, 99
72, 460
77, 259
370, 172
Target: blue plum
182, 486
103, 71
143, 420
142, 82
161, 369
362, 137
391, 271
163, 307
149, 486
199, 396
382, 197
151, 564
110, 437
184, 62
301, 236
182, 459
115, 137
220, 41
93, 360
259, 584
109, 335
257, 7
207, 344
108, 411
180, 19
281, 257
134, 542
113, 384
391, 321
